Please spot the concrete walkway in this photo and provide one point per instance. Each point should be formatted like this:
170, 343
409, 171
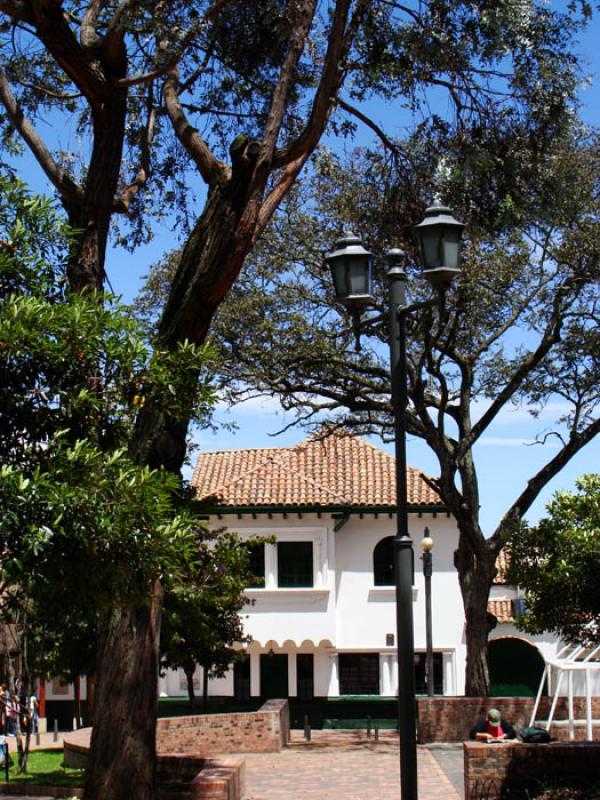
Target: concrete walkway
345, 764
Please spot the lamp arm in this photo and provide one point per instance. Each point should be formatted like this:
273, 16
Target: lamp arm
431, 302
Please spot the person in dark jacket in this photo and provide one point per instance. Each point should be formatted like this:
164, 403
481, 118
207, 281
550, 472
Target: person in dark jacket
492, 728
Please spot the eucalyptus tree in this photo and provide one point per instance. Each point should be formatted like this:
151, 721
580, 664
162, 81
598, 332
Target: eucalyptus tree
237, 95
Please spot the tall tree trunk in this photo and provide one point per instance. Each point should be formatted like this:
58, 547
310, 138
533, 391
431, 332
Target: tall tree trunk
205, 670
189, 670
92, 218
475, 562
210, 262
122, 763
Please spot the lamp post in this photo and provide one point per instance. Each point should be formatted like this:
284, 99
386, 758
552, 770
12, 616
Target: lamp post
427, 548
439, 238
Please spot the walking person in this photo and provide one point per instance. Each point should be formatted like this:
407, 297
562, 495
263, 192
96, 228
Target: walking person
12, 707
34, 711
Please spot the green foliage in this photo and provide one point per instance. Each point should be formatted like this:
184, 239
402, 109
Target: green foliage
557, 563
34, 242
84, 527
201, 619
504, 70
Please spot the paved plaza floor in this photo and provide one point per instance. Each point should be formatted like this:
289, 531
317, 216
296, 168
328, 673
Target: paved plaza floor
340, 765
349, 766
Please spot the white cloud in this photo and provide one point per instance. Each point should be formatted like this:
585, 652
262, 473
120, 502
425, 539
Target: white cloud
514, 415
254, 405
507, 441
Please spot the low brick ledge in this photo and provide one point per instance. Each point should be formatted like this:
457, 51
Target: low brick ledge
220, 777
490, 769
449, 719
35, 790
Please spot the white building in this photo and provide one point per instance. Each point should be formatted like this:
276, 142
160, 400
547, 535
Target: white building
323, 619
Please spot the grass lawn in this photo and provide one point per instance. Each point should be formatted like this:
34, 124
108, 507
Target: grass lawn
45, 768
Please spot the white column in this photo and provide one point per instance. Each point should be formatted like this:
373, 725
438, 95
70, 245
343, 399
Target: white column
162, 685
270, 566
386, 675
570, 704
255, 674
292, 674
588, 702
334, 683
448, 685
318, 563
394, 676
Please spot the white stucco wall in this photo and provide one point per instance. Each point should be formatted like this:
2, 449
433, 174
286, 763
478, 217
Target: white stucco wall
345, 611
365, 613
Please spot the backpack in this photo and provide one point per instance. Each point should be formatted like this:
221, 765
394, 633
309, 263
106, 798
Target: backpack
534, 735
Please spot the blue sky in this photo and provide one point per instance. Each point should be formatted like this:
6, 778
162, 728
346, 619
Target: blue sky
505, 458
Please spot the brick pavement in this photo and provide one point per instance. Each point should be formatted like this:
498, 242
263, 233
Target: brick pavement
334, 765
342, 765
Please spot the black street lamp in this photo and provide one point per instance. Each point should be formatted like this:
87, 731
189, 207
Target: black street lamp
427, 548
438, 237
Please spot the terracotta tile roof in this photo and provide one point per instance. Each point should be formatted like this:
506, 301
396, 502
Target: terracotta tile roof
502, 610
502, 564
337, 469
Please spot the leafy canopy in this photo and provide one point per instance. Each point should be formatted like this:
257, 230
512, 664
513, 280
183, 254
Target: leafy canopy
80, 519
201, 621
557, 563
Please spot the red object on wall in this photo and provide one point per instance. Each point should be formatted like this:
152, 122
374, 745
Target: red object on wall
42, 697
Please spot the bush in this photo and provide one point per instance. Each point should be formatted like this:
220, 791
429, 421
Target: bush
570, 793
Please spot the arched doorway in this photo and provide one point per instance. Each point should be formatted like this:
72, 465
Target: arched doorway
516, 667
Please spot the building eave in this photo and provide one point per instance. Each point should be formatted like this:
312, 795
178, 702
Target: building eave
218, 510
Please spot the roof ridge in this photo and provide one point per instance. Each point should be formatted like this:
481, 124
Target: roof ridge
257, 466
339, 497
244, 450
334, 468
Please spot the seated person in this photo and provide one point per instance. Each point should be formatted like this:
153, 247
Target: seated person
492, 728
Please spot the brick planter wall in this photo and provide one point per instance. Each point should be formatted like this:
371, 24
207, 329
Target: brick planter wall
264, 731
218, 778
183, 743
492, 771
449, 719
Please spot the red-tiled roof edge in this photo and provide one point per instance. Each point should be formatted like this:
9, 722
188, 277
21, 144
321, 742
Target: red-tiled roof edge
279, 456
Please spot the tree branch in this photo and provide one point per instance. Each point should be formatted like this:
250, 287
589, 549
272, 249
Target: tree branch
17, 10
84, 68
115, 26
332, 77
187, 40
549, 471
301, 23
68, 189
88, 34
146, 136
277, 194
385, 140
49, 92
208, 166
550, 337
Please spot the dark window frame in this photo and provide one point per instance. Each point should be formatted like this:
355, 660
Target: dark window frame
256, 566
295, 569
383, 562
359, 674
438, 673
